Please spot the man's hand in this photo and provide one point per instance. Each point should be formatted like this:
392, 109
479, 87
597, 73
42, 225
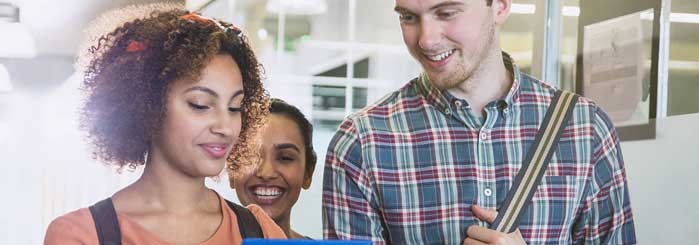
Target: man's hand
482, 235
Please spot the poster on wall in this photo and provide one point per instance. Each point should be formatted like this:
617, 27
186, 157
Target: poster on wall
617, 66
617, 62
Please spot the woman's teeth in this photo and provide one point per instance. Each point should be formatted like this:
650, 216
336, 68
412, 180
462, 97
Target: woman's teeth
267, 192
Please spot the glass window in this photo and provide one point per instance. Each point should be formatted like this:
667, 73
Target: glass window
568, 43
522, 35
683, 75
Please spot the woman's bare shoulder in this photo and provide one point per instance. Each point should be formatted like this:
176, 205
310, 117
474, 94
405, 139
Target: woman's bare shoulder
71, 228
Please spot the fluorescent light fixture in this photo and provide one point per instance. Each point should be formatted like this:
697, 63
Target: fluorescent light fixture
5, 85
675, 17
529, 8
684, 18
297, 7
518, 8
571, 11
574, 11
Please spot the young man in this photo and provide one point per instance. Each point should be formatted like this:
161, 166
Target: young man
427, 162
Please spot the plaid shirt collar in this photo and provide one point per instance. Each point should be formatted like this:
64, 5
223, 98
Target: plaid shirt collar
442, 99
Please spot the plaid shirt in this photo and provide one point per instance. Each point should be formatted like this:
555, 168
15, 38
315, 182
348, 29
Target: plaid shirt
407, 169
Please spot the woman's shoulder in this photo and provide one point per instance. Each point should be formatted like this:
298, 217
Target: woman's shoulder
74, 227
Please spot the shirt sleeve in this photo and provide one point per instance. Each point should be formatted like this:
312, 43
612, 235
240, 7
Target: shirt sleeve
606, 213
349, 206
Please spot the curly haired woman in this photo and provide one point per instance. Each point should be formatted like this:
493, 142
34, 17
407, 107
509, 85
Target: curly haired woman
174, 92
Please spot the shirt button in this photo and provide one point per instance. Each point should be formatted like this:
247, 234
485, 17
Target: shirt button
447, 111
488, 192
506, 110
458, 103
484, 135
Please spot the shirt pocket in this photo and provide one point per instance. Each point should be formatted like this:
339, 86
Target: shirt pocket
553, 208
555, 188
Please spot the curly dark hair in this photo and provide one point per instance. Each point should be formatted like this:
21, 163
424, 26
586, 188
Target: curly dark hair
129, 71
280, 107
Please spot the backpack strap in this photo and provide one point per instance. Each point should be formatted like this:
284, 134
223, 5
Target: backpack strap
537, 160
106, 222
247, 223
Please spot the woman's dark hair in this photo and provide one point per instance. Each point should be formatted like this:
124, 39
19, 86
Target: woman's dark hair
129, 70
280, 107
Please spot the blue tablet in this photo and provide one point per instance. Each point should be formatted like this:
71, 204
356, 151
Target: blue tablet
258, 241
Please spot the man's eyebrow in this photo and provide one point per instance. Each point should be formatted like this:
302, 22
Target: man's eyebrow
400, 9
446, 4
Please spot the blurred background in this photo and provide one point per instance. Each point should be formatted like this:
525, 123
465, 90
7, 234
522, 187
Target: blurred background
329, 58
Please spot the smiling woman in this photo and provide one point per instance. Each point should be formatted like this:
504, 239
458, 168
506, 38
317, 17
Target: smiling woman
176, 93
286, 165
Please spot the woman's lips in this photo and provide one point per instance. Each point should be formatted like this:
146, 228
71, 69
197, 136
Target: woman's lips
217, 151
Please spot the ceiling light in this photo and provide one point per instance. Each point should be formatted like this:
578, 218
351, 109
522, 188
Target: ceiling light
572, 11
297, 7
523, 8
16, 41
684, 18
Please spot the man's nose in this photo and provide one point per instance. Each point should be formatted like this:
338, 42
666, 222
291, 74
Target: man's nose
430, 34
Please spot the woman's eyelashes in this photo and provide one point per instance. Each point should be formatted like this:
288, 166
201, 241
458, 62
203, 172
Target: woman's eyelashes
203, 107
197, 107
286, 158
234, 109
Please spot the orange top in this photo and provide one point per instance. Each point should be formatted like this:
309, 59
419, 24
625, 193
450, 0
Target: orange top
77, 227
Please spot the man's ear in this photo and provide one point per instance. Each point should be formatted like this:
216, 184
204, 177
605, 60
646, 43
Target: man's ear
501, 10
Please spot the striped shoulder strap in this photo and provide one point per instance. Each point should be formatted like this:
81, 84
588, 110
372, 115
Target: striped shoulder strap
536, 162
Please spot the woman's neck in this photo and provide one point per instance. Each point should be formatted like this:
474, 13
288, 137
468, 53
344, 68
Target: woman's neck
163, 188
284, 222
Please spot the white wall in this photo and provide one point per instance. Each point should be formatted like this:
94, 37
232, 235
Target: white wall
662, 176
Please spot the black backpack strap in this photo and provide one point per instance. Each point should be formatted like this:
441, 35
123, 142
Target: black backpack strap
106, 222
247, 223
536, 162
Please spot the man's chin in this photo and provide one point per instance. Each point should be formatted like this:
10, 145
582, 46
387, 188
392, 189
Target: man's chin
443, 83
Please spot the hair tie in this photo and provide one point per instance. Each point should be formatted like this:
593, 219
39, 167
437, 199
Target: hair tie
135, 46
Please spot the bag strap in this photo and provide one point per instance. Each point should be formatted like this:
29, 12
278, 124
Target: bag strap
106, 222
247, 223
537, 160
